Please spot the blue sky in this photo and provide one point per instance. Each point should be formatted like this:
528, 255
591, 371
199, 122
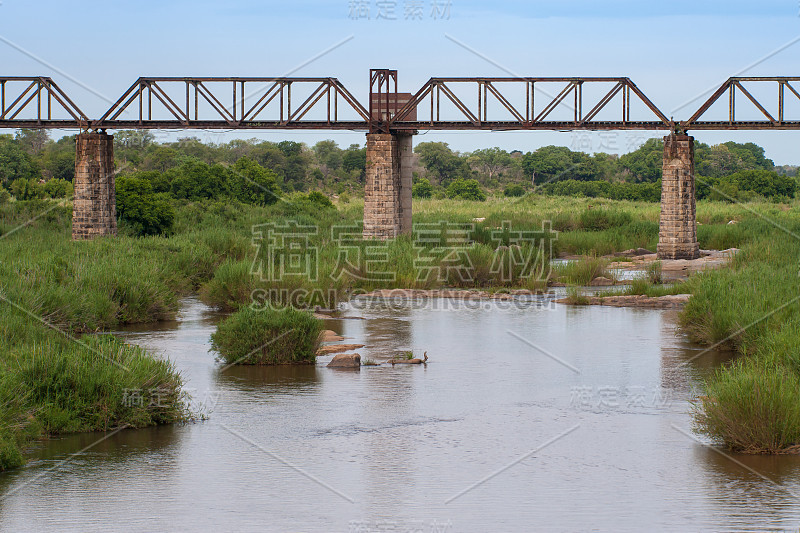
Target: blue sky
674, 51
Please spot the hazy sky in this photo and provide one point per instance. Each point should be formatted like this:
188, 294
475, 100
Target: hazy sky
675, 51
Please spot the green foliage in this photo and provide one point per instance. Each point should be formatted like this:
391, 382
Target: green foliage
466, 190
194, 181
318, 199
515, 191
26, 189
268, 336
142, 210
557, 163
57, 188
441, 162
253, 184
644, 192
422, 188
16, 163
355, 159
645, 163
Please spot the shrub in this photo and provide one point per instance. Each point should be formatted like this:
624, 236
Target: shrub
318, 199
515, 191
57, 188
422, 188
253, 184
466, 190
26, 189
268, 336
143, 211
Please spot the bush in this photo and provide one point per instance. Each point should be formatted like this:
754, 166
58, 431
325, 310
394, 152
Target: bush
422, 188
466, 190
268, 336
253, 184
318, 199
143, 211
58, 188
515, 191
26, 189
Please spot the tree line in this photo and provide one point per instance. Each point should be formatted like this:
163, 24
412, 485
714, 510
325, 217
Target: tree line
253, 171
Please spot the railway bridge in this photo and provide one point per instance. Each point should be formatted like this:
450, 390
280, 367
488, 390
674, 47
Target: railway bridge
390, 120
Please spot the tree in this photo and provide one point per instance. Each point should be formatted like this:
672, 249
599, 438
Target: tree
354, 159
490, 161
195, 180
142, 210
328, 155
646, 163
15, 163
549, 163
466, 190
32, 140
441, 162
253, 184
161, 158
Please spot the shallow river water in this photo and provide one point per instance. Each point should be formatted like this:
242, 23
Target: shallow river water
528, 417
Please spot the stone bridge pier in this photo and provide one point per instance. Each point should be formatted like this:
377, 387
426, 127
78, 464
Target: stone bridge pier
677, 235
387, 197
94, 207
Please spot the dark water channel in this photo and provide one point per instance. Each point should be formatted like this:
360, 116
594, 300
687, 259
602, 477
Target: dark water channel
528, 417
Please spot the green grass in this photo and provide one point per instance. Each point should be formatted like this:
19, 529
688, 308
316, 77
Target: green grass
754, 405
269, 336
581, 271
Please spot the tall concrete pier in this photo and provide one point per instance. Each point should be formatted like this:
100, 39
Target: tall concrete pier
94, 211
387, 197
677, 236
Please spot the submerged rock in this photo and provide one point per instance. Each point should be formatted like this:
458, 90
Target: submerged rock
338, 348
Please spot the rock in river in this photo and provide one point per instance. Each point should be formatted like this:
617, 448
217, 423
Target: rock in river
346, 360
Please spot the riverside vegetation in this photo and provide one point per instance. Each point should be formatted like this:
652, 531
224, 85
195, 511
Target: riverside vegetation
180, 235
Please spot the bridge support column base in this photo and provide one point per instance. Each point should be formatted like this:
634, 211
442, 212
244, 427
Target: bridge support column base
94, 209
387, 197
677, 236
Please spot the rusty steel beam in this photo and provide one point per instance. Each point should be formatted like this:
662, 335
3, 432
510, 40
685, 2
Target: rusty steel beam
29, 102
26, 103
240, 114
477, 114
740, 84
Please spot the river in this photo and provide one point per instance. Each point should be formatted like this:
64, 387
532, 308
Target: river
528, 416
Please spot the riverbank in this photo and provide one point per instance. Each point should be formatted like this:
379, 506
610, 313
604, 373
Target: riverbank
59, 292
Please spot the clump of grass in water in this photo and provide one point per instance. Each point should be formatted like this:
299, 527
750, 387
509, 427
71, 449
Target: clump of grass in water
653, 272
269, 336
582, 271
575, 296
752, 406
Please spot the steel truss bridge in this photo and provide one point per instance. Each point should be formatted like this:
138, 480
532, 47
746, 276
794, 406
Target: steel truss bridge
497, 104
